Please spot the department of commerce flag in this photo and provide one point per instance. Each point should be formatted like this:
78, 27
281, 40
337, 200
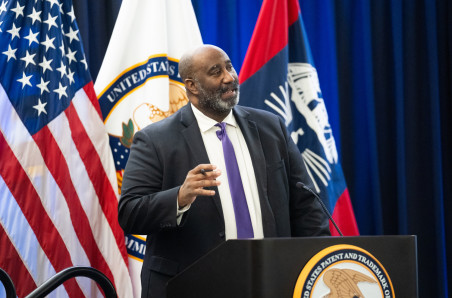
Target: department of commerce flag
138, 83
58, 196
278, 75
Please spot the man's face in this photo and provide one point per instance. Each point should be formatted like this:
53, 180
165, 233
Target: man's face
221, 99
217, 83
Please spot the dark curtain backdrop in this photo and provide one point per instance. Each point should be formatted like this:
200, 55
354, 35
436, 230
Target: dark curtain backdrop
385, 69
96, 20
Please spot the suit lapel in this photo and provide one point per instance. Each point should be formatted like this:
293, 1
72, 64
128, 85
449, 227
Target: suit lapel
192, 136
195, 144
250, 132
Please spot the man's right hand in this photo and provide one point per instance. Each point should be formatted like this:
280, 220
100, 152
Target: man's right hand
203, 175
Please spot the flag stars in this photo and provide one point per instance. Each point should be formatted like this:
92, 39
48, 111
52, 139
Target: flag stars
84, 63
72, 35
3, 7
71, 14
48, 43
35, 16
43, 86
53, 2
11, 53
63, 52
71, 56
70, 76
62, 69
45, 64
19, 10
51, 21
14, 31
51, 67
40, 107
28, 59
25, 80
61, 91
32, 37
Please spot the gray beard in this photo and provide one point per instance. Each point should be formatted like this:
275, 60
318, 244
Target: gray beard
212, 101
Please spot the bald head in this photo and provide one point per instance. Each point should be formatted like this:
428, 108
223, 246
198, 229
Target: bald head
210, 80
189, 62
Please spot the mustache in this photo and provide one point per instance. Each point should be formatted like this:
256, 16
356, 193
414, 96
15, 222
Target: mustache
234, 85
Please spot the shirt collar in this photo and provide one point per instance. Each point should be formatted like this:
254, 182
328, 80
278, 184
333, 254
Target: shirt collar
205, 123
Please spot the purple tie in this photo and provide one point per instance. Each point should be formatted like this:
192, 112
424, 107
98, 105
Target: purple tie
242, 214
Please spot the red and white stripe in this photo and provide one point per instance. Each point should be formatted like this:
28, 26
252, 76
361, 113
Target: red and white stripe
59, 188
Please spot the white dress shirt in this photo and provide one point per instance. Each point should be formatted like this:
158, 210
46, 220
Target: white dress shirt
214, 150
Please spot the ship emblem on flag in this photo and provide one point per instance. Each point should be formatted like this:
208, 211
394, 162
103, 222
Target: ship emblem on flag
307, 97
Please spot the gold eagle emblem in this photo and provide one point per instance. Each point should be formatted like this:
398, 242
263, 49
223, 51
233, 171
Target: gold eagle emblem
343, 283
147, 113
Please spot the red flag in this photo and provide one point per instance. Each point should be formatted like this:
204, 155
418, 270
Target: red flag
278, 75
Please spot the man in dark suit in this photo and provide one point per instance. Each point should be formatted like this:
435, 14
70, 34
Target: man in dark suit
176, 189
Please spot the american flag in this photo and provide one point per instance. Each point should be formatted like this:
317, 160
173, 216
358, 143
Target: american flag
58, 189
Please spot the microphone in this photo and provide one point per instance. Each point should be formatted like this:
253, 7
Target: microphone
301, 185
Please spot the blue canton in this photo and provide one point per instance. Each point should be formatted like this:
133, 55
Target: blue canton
42, 63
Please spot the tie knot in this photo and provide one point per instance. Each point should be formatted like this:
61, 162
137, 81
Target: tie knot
222, 131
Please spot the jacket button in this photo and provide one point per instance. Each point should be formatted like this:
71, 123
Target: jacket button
221, 234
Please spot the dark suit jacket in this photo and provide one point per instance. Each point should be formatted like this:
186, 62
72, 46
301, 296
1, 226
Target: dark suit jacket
161, 156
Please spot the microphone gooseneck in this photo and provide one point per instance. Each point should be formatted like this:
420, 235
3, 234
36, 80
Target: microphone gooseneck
301, 185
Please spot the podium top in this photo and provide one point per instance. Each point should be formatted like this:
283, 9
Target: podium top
270, 267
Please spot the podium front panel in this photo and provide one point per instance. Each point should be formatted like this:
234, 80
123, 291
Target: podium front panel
270, 267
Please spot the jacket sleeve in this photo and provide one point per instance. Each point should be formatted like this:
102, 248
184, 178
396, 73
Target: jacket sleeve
145, 208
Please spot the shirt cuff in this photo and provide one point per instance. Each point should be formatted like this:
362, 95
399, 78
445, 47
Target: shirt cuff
180, 212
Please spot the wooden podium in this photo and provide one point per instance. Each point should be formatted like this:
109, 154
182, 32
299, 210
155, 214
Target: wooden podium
271, 267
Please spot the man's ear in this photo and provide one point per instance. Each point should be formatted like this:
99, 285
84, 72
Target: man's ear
190, 85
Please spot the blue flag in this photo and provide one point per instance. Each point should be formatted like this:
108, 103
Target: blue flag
278, 75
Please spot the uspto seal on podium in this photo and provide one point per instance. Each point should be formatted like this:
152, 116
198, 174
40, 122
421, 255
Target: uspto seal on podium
343, 271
